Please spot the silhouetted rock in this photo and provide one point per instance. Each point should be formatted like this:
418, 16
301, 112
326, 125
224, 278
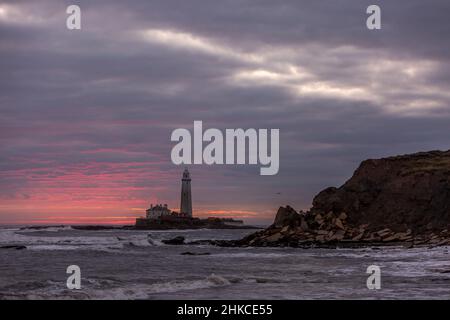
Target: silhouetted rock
175, 241
13, 247
286, 216
189, 253
403, 192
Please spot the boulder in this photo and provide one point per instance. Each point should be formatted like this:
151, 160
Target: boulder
338, 223
339, 235
189, 253
343, 216
17, 247
320, 238
175, 241
273, 238
304, 225
358, 237
391, 238
286, 216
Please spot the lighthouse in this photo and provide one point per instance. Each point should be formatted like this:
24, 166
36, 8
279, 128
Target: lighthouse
186, 196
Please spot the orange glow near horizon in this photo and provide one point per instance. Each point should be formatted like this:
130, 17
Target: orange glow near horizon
117, 217
101, 193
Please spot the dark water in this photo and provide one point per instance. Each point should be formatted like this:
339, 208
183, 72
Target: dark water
125, 265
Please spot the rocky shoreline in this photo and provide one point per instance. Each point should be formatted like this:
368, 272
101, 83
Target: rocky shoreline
331, 239
332, 230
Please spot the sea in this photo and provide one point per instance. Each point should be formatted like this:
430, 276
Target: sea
130, 264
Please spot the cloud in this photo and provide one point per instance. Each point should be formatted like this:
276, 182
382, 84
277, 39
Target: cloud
86, 116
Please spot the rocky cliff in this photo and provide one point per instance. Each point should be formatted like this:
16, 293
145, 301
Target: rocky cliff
397, 199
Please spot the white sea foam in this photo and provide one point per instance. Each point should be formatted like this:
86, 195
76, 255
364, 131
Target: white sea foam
71, 241
160, 271
46, 229
95, 289
144, 291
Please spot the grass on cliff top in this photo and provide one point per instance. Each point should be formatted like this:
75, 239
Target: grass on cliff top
428, 165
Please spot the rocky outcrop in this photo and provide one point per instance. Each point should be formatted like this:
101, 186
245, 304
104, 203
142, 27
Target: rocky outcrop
403, 199
176, 241
189, 253
18, 247
410, 191
286, 216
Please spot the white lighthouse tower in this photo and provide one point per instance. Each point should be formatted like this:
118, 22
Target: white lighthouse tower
186, 196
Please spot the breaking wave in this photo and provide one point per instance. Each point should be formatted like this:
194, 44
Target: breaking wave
100, 289
45, 228
146, 291
65, 238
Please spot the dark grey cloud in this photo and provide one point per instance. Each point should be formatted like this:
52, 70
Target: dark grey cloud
105, 99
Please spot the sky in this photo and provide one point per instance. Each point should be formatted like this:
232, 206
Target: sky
86, 115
